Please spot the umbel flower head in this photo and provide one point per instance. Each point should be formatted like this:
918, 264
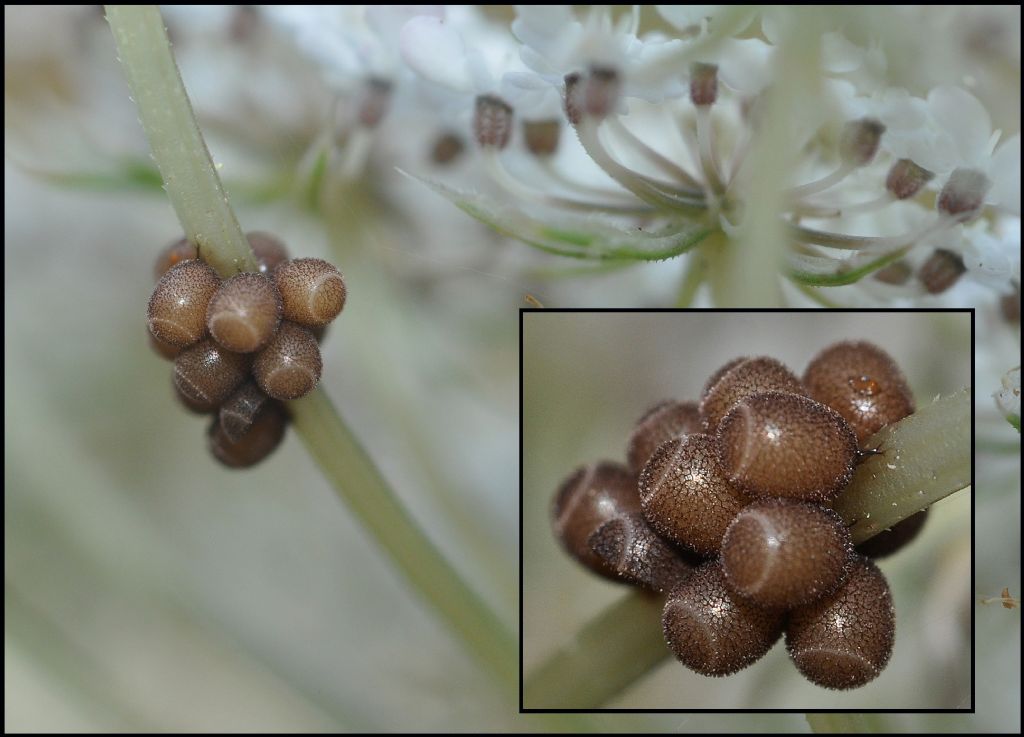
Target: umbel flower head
655, 144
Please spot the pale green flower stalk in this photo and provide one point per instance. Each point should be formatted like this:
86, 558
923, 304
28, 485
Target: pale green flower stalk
927, 457
194, 188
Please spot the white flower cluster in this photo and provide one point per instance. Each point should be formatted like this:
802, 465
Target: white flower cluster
910, 191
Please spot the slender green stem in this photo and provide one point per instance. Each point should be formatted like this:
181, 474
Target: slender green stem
360, 484
579, 675
194, 188
925, 457
693, 277
178, 147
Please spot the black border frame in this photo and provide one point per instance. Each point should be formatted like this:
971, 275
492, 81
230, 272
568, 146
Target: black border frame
522, 676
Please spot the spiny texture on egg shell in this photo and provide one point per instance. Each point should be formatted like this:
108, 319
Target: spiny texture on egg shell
753, 376
312, 290
861, 382
784, 445
177, 308
719, 373
662, 422
289, 366
240, 410
845, 639
256, 444
195, 405
591, 496
711, 630
207, 374
685, 494
633, 550
268, 250
244, 313
172, 255
781, 554
162, 349
889, 541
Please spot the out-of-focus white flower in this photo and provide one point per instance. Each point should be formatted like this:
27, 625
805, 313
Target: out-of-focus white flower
952, 130
555, 43
350, 43
1008, 398
990, 257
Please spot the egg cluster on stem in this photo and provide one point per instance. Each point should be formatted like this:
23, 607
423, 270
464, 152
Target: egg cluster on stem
735, 496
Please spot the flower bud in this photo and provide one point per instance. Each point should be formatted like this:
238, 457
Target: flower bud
703, 83
542, 136
906, 178
941, 271
1009, 305
573, 104
895, 273
601, 92
375, 102
858, 142
964, 194
446, 149
492, 122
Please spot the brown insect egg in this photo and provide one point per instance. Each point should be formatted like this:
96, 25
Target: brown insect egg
711, 630
289, 366
636, 554
172, 255
596, 518
244, 313
207, 374
662, 422
312, 291
195, 405
239, 411
845, 639
256, 444
861, 382
782, 554
720, 372
889, 541
753, 376
164, 350
686, 496
784, 445
177, 308
268, 249
591, 496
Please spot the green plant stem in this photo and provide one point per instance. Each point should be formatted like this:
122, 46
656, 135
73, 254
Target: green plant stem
579, 676
926, 457
360, 484
178, 147
202, 206
693, 277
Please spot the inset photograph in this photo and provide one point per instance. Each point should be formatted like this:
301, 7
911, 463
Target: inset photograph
747, 510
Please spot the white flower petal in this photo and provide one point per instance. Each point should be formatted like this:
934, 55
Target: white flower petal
1008, 398
745, 64
1004, 171
687, 16
437, 52
387, 21
964, 118
839, 55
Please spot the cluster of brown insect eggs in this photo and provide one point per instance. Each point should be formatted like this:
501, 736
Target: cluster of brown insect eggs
724, 504
243, 345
